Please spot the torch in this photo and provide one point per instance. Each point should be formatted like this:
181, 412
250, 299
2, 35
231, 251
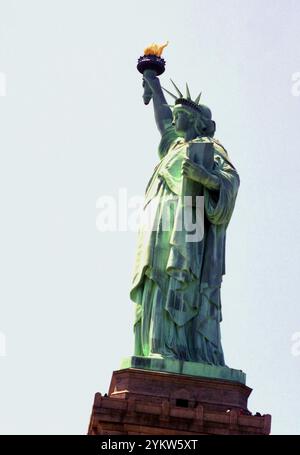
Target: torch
153, 64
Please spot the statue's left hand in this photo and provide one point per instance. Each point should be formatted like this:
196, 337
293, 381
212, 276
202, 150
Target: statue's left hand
199, 174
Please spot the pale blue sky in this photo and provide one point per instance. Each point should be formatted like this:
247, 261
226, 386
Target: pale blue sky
74, 128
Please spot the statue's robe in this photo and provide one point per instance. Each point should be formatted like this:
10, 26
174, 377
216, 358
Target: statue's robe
176, 284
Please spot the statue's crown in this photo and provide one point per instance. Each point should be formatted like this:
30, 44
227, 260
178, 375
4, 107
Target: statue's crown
187, 101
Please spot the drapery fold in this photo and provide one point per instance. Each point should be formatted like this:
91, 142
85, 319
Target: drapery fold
185, 276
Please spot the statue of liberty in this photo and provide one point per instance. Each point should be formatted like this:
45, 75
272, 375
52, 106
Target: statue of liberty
177, 283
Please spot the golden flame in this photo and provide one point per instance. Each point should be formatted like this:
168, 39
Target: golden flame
155, 49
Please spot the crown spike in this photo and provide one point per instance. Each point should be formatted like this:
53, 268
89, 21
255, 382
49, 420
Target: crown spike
198, 98
188, 95
177, 89
171, 94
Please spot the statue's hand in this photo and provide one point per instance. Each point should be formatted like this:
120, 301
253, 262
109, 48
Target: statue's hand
199, 174
151, 80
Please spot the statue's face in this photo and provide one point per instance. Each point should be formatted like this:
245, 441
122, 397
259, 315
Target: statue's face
182, 120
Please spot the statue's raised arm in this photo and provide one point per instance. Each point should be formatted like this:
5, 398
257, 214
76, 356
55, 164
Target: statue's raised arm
151, 65
152, 89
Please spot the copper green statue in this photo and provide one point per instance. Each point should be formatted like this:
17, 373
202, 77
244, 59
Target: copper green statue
177, 283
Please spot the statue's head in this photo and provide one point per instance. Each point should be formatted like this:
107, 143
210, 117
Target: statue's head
185, 118
189, 114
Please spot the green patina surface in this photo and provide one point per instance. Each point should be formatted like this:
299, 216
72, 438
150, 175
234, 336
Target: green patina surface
181, 367
177, 281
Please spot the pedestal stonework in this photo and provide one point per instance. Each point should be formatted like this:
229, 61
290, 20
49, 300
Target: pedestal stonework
149, 402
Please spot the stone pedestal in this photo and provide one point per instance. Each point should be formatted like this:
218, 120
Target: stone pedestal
149, 402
